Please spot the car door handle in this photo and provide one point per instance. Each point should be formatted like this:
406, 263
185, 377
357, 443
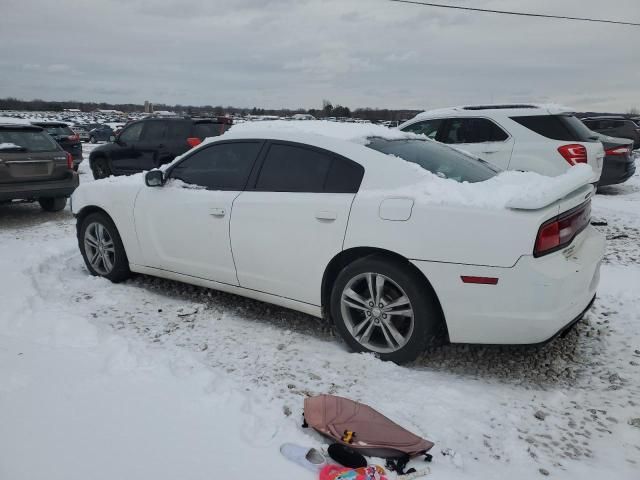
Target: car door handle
491, 151
217, 212
326, 215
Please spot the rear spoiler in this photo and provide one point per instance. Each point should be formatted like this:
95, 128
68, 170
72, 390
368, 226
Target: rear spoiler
550, 190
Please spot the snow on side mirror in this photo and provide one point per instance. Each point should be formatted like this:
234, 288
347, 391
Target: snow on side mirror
154, 178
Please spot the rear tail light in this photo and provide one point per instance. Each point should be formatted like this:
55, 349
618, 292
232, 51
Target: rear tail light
194, 141
74, 138
69, 160
573, 153
618, 151
560, 231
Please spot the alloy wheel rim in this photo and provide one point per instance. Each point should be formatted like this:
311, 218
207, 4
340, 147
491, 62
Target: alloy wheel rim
99, 248
377, 312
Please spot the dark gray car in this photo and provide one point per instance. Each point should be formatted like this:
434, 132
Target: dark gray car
620, 127
34, 167
618, 165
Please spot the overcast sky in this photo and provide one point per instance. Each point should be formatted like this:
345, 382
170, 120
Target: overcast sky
294, 53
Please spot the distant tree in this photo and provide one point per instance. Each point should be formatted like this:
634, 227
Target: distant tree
634, 111
327, 108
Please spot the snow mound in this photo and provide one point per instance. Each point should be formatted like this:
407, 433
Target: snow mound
510, 189
8, 146
351, 132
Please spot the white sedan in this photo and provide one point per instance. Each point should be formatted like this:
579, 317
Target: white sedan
393, 237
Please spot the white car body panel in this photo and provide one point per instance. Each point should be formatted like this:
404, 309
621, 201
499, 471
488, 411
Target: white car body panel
186, 231
529, 150
282, 242
275, 246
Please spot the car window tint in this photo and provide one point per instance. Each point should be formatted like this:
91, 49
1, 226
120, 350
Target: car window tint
473, 130
218, 167
29, 140
344, 176
204, 130
556, 127
58, 130
426, 127
154, 131
438, 159
131, 133
288, 168
179, 130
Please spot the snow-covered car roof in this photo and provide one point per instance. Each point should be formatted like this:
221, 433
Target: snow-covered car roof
522, 109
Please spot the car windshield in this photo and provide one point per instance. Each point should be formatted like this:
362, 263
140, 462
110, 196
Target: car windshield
443, 161
28, 140
58, 130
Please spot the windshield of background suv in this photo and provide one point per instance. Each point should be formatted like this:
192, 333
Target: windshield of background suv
58, 130
439, 159
29, 140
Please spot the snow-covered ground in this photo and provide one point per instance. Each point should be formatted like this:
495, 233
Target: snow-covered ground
153, 379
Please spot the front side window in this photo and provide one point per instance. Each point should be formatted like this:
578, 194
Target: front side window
473, 130
223, 166
131, 133
289, 168
438, 159
427, 127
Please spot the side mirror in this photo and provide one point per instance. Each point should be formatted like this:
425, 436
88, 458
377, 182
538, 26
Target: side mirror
154, 178
112, 138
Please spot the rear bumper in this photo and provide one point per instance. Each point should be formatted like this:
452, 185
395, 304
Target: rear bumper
533, 301
616, 170
35, 190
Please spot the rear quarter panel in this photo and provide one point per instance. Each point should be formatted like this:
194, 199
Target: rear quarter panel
453, 234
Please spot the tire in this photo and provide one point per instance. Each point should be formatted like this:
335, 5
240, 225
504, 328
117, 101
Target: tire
415, 332
100, 168
52, 204
111, 258
92, 139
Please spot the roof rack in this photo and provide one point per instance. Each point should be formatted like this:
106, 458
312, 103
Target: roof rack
498, 107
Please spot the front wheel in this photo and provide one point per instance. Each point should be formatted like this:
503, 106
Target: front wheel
382, 306
52, 204
102, 248
100, 168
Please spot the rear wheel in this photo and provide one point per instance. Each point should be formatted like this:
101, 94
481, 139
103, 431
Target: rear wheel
100, 168
52, 204
380, 305
102, 248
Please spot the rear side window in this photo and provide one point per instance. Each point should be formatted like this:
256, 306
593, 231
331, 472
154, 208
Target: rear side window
26, 141
288, 168
154, 131
204, 130
472, 130
224, 166
438, 159
344, 176
179, 131
427, 127
556, 127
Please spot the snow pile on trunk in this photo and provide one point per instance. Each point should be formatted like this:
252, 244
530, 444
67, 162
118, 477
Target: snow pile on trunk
351, 132
510, 189
8, 146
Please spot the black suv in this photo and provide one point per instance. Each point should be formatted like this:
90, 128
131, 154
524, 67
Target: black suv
34, 167
151, 142
615, 127
66, 138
